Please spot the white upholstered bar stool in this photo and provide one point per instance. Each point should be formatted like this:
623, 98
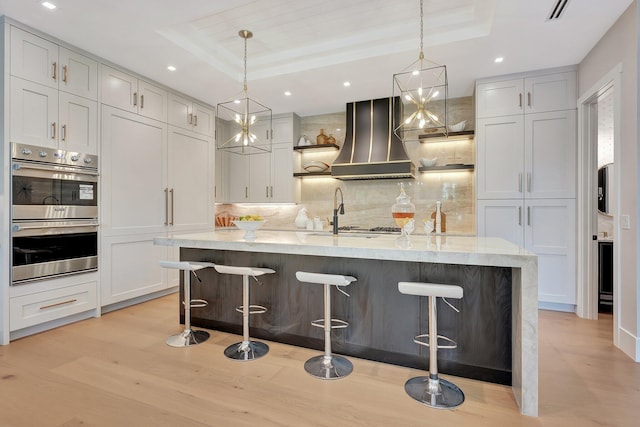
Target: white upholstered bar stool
188, 337
246, 349
433, 390
328, 366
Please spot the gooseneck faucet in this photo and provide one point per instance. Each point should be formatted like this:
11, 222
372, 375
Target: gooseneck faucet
337, 208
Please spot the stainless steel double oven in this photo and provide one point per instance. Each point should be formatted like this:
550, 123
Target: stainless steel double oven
54, 213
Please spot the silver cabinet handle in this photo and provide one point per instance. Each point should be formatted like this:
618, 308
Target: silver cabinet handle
271, 188
246, 192
529, 182
171, 193
135, 99
141, 101
520, 183
519, 215
529, 99
195, 120
528, 215
53, 130
520, 100
190, 118
166, 206
266, 191
63, 133
64, 73
54, 76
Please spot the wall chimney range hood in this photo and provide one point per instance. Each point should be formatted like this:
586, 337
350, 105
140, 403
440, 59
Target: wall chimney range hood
371, 150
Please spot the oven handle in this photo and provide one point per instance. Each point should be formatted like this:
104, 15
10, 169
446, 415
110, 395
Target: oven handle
57, 169
16, 228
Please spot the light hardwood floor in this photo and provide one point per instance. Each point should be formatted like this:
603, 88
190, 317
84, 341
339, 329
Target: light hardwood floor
117, 371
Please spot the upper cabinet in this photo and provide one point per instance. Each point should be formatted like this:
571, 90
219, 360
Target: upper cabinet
190, 115
535, 94
41, 61
127, 92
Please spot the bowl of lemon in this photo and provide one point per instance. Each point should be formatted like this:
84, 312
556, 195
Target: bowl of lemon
249, 224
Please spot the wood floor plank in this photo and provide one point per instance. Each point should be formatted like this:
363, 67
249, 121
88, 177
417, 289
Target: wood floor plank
117, 371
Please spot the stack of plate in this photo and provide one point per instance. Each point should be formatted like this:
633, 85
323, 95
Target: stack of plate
315, 166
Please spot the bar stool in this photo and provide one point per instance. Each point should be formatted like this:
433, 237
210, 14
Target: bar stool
246, 349
328, 366
188, 337
432, 390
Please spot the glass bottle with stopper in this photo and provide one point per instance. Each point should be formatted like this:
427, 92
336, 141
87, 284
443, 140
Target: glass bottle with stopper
403, 210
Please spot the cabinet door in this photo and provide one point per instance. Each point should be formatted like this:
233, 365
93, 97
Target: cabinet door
503, 98
133, 174
34, 113
283, 185
501, 218
203, 119
550, 234
221, 174
152, 101
550, 154
118, 89
190, 180
78, 123
130, 267
78, 74
34, 58
282, 130
179, 111
259, 177
238, 185
500, 157
551, 92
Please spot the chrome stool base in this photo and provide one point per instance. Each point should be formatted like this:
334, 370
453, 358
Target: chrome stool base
440, 393
246, 350
328, 368
188, 338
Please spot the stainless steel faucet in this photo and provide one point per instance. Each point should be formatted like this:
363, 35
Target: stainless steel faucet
337, 208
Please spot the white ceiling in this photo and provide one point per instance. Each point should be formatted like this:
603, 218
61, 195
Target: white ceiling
311, 47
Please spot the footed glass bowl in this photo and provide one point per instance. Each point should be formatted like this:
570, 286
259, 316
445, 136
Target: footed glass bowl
249, 227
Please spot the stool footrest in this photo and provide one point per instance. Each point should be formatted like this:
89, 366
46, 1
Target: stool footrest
253, 309
197, 303
418, 340
335, 323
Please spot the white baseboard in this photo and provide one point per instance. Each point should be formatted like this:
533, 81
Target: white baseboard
555, 306
629, 344
138, 300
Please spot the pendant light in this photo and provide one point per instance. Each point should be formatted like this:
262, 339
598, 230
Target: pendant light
420, 90
243, 125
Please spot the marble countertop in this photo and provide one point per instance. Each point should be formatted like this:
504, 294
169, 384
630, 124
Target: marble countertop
469, 250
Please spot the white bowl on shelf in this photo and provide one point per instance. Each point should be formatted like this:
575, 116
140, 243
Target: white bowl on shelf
427, 163
315, 166
458, 127
249, 227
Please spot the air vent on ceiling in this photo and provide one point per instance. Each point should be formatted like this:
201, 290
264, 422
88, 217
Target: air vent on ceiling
557, 10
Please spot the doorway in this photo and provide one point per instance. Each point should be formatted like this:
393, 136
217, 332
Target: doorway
598, 184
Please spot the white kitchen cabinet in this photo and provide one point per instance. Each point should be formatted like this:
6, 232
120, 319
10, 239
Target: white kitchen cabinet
283, 188
155, 179
188, 114
43, 116
533, 94
41, 61
531, 156
127, 92
259, 169
190, 180
526, 173
545, 227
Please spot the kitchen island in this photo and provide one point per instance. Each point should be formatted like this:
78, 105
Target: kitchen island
496, 328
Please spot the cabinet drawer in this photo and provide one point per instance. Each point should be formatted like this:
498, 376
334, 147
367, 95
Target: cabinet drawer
33, 309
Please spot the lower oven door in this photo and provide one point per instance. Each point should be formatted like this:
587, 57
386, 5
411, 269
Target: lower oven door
45, 249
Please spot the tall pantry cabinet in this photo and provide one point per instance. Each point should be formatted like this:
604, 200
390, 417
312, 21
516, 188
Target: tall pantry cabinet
526, 173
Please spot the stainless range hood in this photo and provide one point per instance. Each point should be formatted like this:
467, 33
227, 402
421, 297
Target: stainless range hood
371, 150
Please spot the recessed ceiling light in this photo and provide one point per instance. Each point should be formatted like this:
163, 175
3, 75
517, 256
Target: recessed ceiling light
498, 60
48, 5
346, 84
171, 68
287, 93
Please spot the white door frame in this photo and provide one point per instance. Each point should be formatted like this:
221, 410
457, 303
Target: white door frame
587, 292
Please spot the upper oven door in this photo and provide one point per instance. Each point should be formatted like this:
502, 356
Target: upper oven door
43, 191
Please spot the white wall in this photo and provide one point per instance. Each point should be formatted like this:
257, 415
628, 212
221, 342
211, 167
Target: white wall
620, 46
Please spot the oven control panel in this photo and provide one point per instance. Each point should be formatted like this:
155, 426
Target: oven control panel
53, 156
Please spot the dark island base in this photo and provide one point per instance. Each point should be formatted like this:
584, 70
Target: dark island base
382, 322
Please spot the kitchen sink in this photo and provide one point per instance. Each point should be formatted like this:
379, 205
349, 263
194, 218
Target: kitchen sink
359, 235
